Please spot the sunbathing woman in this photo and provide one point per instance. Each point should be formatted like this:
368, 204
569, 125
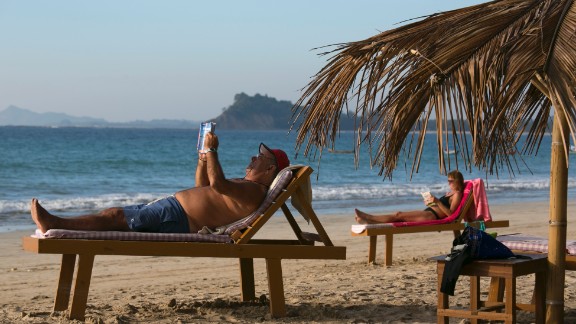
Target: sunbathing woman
444, 206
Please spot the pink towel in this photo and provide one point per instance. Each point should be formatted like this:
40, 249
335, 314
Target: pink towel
482, 211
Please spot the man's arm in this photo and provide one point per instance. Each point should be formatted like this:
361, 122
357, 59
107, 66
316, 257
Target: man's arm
201, 171
212, 174
202, 179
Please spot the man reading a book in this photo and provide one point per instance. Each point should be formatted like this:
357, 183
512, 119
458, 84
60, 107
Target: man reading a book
214, 201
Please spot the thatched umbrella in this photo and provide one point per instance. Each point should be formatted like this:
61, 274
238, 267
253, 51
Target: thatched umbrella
497, 70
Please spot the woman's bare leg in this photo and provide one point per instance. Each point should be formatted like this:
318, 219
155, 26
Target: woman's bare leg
415, 216
365, 218
409, 216
111, 219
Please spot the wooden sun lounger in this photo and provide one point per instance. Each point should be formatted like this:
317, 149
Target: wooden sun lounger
243, 247
389, 232
529, 244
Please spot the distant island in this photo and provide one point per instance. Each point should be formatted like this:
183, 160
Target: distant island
258, 112
246, 113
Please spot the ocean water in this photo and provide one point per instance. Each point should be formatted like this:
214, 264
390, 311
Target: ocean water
80, 170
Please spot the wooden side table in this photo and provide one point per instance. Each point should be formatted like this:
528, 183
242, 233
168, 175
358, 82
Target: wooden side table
498, 270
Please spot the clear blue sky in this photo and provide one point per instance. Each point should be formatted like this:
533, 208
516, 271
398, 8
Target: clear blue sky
124, 60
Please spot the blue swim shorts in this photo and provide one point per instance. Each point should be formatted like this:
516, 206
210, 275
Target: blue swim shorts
164, 215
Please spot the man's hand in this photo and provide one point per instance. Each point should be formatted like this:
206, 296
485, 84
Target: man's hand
211, 141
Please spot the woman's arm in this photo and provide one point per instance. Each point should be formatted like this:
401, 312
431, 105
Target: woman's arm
454, 203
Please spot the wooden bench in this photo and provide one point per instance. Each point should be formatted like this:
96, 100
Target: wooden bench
500, 271
243, 247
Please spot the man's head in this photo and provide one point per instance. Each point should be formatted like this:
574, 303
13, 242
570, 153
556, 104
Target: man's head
278, 156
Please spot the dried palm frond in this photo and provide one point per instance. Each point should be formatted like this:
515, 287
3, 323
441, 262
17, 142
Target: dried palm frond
481, 69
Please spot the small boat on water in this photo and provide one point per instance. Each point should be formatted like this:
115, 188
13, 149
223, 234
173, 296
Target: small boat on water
572, 149
450, 151
341, 151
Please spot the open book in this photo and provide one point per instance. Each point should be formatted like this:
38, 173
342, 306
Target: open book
205, 128
426, 195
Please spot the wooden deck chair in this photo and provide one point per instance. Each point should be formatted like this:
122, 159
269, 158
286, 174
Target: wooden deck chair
453, 223
235, 242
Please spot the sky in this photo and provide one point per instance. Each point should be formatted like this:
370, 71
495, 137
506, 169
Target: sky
174, 59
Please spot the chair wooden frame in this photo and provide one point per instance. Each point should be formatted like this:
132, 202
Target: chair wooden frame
244, 248
389, 232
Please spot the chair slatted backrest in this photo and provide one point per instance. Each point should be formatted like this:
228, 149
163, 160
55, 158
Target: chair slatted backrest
295, 187
466, 207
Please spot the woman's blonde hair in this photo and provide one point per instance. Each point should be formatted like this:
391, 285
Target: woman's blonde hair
458, 177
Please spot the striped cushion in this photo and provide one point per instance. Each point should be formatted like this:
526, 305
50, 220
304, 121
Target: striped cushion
525, 242
131, 236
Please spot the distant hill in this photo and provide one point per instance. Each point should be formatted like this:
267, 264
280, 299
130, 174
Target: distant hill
15, 116
256, 112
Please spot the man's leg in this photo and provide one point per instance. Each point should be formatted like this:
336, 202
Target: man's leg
111, 219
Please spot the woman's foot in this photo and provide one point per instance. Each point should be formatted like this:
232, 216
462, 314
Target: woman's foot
362, 217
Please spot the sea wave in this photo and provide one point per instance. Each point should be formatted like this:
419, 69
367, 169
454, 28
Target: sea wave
78, 204
325, 193
383, 191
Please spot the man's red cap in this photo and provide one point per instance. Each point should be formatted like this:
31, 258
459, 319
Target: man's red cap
281, 157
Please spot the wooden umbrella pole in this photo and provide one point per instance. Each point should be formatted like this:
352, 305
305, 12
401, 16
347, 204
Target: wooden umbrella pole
557, 223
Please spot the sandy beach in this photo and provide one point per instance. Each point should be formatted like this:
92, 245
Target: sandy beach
206, 290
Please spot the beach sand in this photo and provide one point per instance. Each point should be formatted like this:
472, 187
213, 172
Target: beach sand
206, 290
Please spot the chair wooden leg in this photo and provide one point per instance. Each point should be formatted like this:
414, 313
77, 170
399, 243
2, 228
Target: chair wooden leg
389, 247
372, 249
247, 285
65, 282
276, 287
82, 286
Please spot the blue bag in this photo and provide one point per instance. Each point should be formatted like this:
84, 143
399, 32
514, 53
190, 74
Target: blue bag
472, 244
483, 246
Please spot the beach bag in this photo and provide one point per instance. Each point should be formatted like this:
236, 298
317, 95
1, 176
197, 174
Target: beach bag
472, 244
483, 246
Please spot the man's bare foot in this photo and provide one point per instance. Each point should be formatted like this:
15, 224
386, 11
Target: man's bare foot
43, 219
361, 217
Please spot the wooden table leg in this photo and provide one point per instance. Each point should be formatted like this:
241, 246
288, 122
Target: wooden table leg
510, 306
474, 297
83, 275
372, 249
443, 301
389, 247
496, 293
276, 287
65, 282
247, 285
540, 297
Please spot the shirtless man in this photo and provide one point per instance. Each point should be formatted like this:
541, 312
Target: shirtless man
213, 202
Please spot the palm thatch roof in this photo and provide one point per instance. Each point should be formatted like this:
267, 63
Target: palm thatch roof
500, 69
